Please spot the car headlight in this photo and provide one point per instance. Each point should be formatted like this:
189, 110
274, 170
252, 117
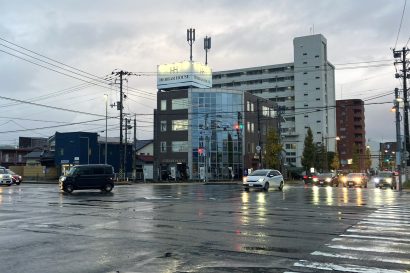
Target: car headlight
315, 179
388, 180
328, 179
376, 180
245, 179
63, 178
261, 179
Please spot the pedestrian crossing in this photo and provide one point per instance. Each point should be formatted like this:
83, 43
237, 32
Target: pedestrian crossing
380, 243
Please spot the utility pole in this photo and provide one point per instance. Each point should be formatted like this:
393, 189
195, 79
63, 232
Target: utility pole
134, 150
190, 37
206, 146
401, 54
259, 134
398, 137
125, 146
120, 107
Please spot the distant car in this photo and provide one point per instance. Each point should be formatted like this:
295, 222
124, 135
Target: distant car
263, 179
355, 180
5, 178
17, 179
92, 176
310, 178
385, 179
327, 179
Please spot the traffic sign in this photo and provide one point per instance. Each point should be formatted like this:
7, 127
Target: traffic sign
258, 148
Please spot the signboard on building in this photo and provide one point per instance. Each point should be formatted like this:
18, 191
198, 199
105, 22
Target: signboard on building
184, 74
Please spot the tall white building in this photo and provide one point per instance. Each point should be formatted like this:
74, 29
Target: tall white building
304, 89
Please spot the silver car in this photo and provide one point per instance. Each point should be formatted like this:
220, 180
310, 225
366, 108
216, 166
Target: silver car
5, 178
263, 179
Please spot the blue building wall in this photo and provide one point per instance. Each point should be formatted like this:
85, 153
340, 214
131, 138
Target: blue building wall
113, 157
70, 145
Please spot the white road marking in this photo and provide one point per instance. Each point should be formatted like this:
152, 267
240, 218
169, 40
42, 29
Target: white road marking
357, 257
390, 239
344, 268
367, 249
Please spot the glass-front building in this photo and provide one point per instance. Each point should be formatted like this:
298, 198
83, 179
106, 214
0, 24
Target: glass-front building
216, 134
209, 134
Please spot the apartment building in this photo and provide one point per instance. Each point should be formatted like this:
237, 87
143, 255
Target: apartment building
304, 91
351, 131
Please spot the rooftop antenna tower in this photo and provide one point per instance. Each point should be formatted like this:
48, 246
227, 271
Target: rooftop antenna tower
190, 37
207, 46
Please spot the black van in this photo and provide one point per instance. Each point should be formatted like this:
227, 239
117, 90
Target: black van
92, 176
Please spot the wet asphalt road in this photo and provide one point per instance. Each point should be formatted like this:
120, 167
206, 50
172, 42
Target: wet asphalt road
204, 228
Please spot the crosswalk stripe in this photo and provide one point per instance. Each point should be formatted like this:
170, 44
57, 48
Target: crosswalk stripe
357, 257
376, 238
343, 268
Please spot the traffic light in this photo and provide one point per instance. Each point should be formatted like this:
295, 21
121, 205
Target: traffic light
200, 151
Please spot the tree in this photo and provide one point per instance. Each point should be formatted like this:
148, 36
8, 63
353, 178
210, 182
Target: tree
356, 159
273, 150
368, 159
320, 162
309, 151
335, 162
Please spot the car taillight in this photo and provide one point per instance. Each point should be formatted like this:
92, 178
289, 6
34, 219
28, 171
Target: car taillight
305, 177
314, 177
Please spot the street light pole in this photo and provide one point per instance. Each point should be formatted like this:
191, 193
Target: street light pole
106, 126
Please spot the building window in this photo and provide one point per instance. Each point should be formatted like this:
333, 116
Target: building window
248, 106
163, 146
305, 73
304, 54
20, 158
252, 127
248, 126
62, 151
304, 62
179, 146
317, 77
163, 125
7, 158
305, 94
178, 104
317, 98
317, 56
180, 125
163, 105
305, 83
291, 146
317, 88
252, 107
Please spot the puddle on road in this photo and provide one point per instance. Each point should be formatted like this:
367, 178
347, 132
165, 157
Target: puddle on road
270, 249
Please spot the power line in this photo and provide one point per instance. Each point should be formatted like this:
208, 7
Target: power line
51, 107
401, 22
82, 71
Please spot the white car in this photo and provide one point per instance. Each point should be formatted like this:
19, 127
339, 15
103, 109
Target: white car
5, 178
263, 179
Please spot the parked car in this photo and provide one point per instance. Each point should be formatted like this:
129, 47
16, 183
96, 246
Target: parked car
355, 179
327, 179
5, 178
263, 179
385, 179
17, 179
310, 178
92, 176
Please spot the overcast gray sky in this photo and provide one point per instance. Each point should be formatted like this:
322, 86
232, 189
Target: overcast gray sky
100, 36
